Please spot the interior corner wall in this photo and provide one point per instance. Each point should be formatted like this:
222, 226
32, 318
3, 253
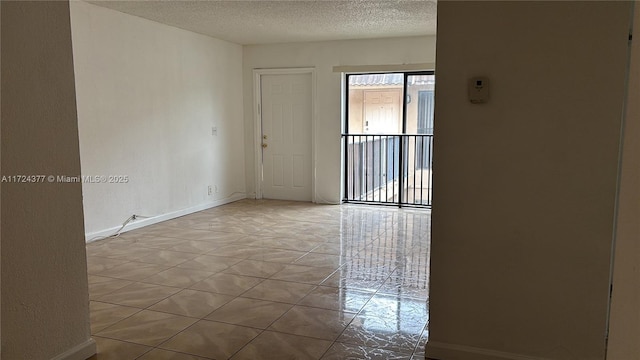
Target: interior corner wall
45, 301
0, 188
323, 56
525, 185
624, 328
149, 96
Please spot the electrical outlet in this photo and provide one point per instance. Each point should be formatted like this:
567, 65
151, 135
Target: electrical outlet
214, 131
209, 190
215, 189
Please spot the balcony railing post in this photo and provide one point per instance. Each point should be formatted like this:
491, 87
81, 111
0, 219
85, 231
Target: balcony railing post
401, 168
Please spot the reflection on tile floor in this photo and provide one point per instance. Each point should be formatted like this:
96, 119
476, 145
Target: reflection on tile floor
265, 280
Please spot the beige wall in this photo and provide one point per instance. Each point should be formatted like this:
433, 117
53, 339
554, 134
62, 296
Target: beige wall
624, 330
45, 302
524, 186
0, 188
412, 108
356, 111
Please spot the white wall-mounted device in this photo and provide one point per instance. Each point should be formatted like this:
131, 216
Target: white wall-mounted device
479, 90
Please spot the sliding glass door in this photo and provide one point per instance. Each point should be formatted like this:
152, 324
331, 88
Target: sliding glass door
388, 138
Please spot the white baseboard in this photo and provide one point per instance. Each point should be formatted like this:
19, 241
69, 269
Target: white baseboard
317, 199
79, 352
89, 237
444, 351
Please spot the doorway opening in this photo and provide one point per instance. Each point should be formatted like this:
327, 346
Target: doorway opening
388, 138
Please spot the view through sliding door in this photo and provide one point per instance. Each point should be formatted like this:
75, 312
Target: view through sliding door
388, 138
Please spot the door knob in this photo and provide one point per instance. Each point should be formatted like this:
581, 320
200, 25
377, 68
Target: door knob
264, 145
264, 137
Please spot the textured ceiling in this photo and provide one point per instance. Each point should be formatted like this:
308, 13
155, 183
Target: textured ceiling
263, 22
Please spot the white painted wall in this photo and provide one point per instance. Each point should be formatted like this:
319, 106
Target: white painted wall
524, 186
624, 330
323, 56
45, 300
148, 96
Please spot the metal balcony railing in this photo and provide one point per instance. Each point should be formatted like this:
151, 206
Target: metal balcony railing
388, 169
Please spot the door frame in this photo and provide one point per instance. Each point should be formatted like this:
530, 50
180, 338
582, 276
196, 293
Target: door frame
257, 127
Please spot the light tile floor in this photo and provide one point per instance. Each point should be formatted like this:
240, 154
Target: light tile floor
265, 280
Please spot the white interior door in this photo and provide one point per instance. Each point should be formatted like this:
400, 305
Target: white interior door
286, 136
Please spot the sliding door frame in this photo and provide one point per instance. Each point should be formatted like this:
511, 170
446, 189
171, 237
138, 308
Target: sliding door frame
401, 155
